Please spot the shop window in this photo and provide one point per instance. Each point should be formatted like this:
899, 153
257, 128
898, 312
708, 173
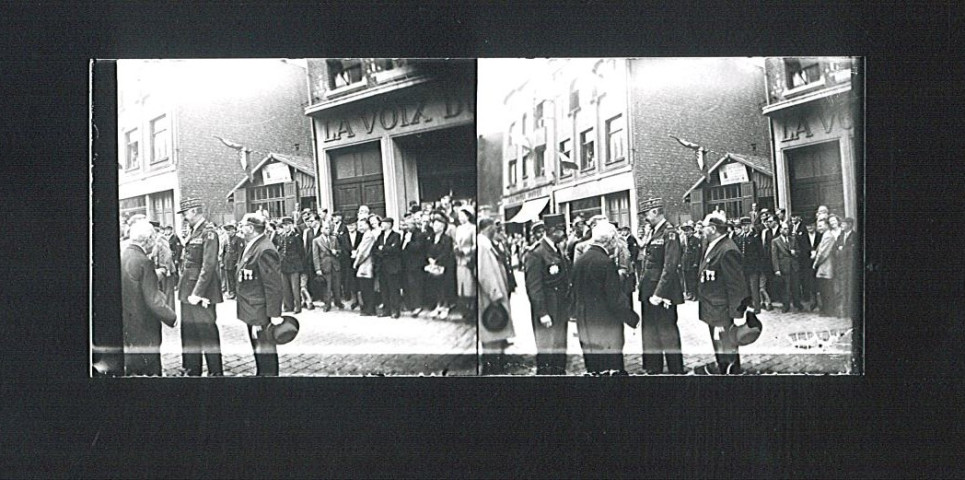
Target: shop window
512, 173
585, 208
539, 162
618, 208
566, 152
587, 160
538, 115
162, 207
160, 140
343, 72
269, 197
801, 72
616, 140
132, 206
133, 152
727, 198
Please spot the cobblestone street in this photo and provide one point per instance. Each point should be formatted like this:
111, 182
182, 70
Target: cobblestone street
795, 342
344, 343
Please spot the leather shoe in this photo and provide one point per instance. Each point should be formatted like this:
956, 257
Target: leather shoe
709, 369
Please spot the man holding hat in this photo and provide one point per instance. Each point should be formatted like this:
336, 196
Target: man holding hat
260, 284
548, 286
199, 292
722, 295
660, 293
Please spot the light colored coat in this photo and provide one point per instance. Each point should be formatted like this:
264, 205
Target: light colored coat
823, 264
365, 267
493, 287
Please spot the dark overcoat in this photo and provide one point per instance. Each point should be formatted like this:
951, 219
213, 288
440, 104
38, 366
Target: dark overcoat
548, 283
388, 253
259, 283
721, 286
414, 253
600, 306
143, 309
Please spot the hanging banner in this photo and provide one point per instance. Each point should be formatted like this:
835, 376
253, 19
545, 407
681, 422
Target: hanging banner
733, 173
276, 173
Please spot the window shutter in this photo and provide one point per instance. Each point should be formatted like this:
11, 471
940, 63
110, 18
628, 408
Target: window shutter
747, 197
697, 203
241, 203
291, 198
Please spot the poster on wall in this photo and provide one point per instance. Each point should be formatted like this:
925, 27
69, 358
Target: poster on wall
276, 173
733, 173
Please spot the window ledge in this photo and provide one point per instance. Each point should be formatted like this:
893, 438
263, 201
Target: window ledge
808, 87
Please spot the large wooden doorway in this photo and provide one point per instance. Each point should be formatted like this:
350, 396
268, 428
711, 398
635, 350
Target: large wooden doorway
357, 179
815, 176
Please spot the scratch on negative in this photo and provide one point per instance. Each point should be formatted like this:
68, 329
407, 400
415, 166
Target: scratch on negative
96, 436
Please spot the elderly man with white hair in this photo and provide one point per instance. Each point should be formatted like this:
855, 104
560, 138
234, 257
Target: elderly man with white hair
143, 305
600, 305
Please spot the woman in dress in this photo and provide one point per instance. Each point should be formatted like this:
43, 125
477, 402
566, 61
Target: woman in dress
441, 268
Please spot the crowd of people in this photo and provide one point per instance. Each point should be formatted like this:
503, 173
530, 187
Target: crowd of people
425, 266
733, 268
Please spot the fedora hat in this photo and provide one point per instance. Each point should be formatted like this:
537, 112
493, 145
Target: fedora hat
285, 331
495, 317
750, 331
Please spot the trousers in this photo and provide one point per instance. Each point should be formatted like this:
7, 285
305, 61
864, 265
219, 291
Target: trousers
199, 336
725, 350
266, 353
661, 338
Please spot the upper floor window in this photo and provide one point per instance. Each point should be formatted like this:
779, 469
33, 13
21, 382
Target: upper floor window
522, 124
343, 72
574, 99
512, 172
566, 152
538, 115
587, 160
616, 139
527, 159
539, 168
160, 139
801, 71
133, 152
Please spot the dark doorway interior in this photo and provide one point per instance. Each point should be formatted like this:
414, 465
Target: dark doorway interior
815, 173
446, 162
357, 178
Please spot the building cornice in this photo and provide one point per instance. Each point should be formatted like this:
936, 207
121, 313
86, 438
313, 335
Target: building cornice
806, 98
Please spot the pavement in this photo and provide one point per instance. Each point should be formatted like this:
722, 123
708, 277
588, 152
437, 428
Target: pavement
341, 342
790, 343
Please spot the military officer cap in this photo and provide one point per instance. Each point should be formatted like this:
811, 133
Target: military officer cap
253, 219
189, 203
745, 220
650, 204
286, 220
554, 221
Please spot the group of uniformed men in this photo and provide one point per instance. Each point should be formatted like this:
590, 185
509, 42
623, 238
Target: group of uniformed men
591, 277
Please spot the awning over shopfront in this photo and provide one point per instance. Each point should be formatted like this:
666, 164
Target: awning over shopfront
530, 210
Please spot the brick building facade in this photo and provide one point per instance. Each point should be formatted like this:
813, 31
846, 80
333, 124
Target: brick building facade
170, 113
592, 136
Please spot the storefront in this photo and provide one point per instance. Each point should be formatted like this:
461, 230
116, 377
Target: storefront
389, 148
733, 184
611, 195
279, 184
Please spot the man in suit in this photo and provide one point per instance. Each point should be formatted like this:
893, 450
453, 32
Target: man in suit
327, 267
388, 261
600, 305
752, 258
260, 284
548, 286
722, 296
768, 235
690, 260
784, 259
232, 252
174, 242
292, 251
199, 292
143, 306
348, 242
660, 293
414, 261
313, 229
844, 249
813, 239
164, 265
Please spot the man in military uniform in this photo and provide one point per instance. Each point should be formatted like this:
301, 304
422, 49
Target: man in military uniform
660, 293
690, 259
748, 242
232, 251
548, 287
199, 291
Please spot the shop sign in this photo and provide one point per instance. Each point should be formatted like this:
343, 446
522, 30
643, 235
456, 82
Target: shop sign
827, 117
393, 117
275, 173
733, 173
